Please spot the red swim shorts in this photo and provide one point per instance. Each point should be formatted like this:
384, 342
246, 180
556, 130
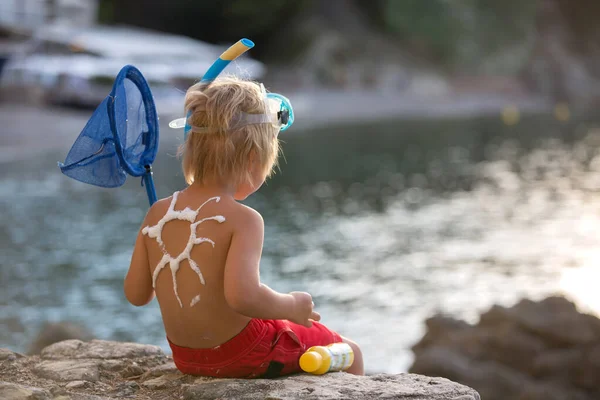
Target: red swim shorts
264, 349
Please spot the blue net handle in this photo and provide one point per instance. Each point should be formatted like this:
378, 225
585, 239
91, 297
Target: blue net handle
148, 183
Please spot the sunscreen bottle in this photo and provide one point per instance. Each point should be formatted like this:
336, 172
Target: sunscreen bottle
319, 360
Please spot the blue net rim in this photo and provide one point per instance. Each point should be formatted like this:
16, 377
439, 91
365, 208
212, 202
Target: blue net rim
134, 75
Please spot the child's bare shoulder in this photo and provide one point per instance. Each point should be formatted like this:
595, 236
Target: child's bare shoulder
157, 210
247, 218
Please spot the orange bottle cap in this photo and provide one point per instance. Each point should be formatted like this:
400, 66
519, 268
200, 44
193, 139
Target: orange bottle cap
310, 361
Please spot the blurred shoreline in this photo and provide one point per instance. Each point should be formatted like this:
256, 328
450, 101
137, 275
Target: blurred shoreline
326, 107
313, 108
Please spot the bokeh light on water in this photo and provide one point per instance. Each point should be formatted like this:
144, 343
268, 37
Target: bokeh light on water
385, 225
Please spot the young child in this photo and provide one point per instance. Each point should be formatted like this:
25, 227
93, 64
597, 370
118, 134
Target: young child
200, 249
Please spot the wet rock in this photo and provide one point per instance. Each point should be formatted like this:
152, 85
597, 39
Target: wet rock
556, 320
102, 349
56, 332
528, 351
68, 370
332, 386
556, 362
552, 391
12, 391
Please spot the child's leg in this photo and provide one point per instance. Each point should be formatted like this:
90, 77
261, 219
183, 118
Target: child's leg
317, 335
357, 367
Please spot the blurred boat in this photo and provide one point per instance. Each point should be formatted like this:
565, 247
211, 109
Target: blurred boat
76, 66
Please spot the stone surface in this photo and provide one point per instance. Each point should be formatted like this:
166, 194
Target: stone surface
533, 350
76, 384
8, 355
125, 389
332, 386
102, 370
167, 368
114, 365
81, 396
162, 382
132, 371
99, 349
11, 391
68, 370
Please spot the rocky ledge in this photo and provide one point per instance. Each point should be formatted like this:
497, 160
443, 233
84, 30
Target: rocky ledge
543, 350
98, 370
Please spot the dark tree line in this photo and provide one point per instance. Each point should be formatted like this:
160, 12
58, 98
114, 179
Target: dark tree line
553, 35
214, 21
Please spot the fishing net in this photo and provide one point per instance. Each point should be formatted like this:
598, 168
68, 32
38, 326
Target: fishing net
120, 138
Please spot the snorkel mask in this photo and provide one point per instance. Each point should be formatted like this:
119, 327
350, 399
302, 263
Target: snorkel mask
278, 112
278, 109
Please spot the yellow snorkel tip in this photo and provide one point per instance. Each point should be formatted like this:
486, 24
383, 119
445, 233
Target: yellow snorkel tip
233, 52
237, 49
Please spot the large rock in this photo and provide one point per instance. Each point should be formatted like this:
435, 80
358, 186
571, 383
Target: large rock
555, 320
332, 386
534, 350
53, 332
102, 370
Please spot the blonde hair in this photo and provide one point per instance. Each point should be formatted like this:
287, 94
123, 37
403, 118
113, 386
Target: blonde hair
224, 154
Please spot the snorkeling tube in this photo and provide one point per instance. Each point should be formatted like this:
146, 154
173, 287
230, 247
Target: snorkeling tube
224, 59
233, 52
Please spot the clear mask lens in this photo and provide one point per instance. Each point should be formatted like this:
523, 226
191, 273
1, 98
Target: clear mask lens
280, 111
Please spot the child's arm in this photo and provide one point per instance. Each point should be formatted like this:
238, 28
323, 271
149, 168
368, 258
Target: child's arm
138, 282
243, 290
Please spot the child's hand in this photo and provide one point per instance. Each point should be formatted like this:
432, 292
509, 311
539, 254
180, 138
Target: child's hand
302, 312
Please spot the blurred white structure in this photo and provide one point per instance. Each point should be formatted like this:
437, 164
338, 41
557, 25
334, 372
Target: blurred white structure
29, 15
77, 65
67, 58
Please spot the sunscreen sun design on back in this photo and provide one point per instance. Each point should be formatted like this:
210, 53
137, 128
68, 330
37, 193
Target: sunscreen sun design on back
155, 232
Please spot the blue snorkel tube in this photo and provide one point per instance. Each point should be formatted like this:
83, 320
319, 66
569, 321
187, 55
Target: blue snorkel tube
233, 52
227, 57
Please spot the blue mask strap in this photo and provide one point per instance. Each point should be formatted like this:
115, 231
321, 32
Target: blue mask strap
187, 127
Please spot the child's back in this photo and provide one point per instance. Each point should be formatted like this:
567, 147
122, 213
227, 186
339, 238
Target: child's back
203, 319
